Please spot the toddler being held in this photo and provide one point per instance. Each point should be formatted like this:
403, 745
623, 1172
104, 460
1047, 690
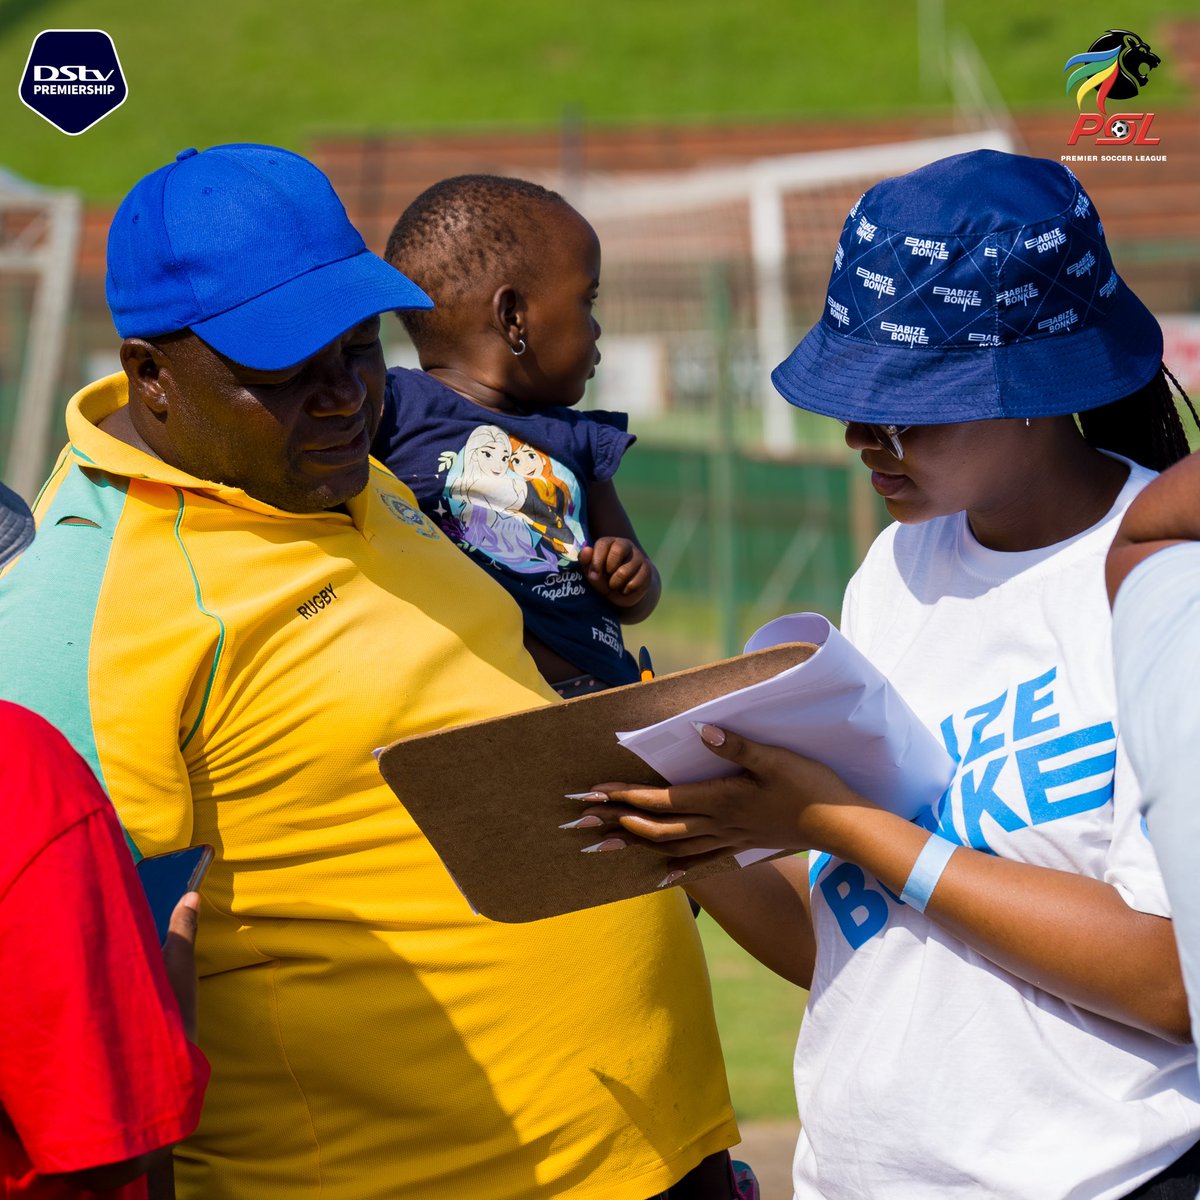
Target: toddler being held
485, 434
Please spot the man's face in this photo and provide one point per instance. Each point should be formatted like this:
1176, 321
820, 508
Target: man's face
297, 439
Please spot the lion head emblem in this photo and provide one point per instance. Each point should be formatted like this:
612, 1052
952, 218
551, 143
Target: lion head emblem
1116, 66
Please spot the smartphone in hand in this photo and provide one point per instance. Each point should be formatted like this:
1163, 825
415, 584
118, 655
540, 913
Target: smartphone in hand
167, 877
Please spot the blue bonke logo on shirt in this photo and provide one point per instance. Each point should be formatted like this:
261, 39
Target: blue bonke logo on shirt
1009, 746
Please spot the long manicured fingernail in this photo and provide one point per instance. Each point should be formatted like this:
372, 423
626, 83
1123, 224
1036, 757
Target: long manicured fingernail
607, 844
671, 877
590, 797
710, 735
588, 822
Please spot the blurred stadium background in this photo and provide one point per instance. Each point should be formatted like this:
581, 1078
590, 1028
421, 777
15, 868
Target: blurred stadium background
716, 148
716, 153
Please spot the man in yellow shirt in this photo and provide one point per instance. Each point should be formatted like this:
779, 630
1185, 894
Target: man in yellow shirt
229, 606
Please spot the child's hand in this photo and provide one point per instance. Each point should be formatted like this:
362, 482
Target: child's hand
618, 569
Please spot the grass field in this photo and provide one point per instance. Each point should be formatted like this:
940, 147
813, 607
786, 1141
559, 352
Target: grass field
259, 70
758, 1015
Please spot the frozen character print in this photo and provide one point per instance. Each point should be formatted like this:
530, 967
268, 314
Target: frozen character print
551, 503
485, 499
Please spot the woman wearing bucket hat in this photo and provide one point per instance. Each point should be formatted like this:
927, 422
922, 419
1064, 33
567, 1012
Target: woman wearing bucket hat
996, 1004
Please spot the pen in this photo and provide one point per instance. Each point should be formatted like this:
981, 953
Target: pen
644, 665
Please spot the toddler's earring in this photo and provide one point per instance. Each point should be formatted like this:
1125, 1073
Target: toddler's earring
1026, 422
520, 348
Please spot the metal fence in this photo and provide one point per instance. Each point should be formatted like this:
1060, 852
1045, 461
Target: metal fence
739, 538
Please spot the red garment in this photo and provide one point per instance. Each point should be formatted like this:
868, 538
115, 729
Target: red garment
94, 1064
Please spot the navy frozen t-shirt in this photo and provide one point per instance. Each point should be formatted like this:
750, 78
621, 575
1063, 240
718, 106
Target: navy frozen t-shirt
510, 489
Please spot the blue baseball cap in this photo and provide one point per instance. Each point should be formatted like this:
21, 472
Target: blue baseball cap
977, 287
250, 248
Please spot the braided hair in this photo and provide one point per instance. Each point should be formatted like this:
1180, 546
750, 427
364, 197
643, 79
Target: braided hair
1143, 426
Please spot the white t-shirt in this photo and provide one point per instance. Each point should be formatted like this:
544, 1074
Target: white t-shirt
1156, 645
922, 1069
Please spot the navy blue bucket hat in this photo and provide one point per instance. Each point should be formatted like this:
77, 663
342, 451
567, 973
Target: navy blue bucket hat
976, 287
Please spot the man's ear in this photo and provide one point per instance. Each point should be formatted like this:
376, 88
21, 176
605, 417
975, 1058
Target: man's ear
144, 365
508, 315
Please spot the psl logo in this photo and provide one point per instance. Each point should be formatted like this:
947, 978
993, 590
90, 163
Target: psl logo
1116, 66
73, 78
1118, 130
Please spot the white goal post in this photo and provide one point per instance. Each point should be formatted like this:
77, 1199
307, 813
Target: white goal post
39, 239
762, 186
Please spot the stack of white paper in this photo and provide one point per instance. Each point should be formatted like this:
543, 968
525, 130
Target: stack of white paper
834, 707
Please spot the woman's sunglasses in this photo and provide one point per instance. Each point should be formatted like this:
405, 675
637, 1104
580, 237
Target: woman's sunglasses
888, 436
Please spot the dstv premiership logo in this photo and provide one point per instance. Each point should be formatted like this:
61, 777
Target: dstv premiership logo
1116, 66
73, 78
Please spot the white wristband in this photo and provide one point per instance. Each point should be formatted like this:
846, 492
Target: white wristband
926, 871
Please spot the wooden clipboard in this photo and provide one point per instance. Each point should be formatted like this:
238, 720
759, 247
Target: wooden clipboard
497, 831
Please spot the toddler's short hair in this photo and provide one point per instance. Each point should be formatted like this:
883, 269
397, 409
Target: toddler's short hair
458, 236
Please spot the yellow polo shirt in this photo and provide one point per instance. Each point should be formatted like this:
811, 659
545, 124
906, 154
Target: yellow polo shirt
227, 668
